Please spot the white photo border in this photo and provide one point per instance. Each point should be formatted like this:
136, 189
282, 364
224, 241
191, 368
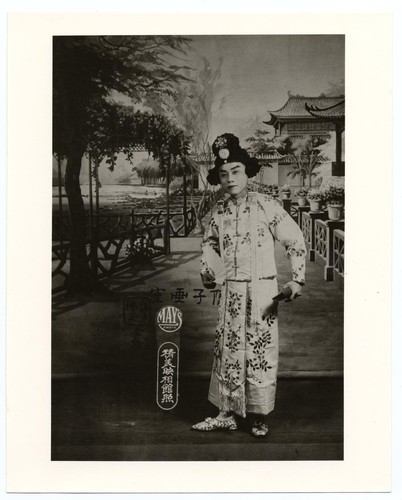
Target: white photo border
367, 463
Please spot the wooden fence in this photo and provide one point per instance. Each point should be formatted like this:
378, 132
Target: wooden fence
117, 240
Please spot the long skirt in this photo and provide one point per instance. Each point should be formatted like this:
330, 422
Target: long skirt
245, 362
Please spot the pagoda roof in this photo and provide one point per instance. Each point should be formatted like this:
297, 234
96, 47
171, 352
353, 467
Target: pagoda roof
295, 107
334, 112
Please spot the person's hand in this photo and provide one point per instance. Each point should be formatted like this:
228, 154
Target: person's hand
296, 289
208, 280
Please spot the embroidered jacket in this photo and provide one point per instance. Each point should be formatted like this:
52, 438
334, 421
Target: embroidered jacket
273, 223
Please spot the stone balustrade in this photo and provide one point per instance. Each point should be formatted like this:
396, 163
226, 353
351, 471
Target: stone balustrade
324, 237
324, 244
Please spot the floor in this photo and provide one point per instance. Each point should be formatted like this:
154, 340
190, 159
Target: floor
92, 334
102, 410
114, 418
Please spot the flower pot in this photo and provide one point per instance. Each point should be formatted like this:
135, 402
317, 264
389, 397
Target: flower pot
301, 201
315, 205
285, 195
335, 212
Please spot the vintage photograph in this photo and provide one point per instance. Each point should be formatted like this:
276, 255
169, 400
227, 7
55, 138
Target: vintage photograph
198, 238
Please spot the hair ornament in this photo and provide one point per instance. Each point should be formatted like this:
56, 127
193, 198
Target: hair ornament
224, 154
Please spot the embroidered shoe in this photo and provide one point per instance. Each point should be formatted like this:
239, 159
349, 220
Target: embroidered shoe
214, 424
259, 429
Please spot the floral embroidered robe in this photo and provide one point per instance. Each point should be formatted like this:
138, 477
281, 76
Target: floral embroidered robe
246, 347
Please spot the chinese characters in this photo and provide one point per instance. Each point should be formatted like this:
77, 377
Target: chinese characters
180, 295
168, 366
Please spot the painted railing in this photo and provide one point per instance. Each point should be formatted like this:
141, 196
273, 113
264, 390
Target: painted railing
339, 251
306, 224
321, 245
309, 230
115, 241
325, 245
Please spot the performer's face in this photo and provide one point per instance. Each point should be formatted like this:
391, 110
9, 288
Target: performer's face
233, 178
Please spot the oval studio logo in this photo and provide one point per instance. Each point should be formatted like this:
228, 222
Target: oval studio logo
169, 319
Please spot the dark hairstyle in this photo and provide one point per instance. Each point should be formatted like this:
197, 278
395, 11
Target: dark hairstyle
226, 149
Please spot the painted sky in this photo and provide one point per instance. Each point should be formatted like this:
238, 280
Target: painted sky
259, 71
257, 74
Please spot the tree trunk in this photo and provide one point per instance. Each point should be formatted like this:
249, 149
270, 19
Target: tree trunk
200, 229
80, 278
310, 170
185, 200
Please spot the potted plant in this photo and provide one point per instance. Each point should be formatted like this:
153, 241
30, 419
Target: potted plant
285, 189
301, 195
335, 198
315, 197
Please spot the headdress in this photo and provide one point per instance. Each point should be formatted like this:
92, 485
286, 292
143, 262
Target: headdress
226, 149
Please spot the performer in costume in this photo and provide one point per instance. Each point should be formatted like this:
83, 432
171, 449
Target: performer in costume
242, 231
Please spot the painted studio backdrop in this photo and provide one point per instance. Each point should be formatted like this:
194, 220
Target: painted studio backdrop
134, 119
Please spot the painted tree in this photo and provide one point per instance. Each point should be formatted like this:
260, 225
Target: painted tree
304, 155
264, 146
87, 72
193, 108
149, 170
261, 143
